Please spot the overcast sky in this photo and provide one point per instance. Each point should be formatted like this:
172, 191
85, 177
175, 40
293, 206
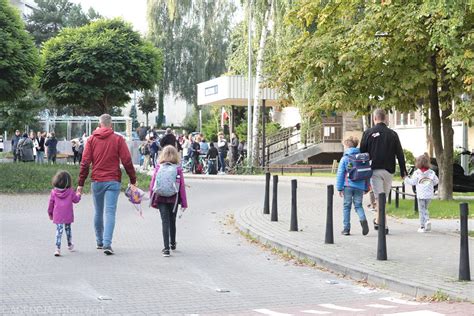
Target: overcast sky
133, 11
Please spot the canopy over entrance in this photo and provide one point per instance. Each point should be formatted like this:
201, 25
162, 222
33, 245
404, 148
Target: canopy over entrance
231, 90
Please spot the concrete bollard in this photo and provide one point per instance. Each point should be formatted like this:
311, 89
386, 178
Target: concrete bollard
294, 216
266, 202
382, 242
464, 269
329, 239
274, 215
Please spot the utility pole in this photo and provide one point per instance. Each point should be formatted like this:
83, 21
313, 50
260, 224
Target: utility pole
249, 86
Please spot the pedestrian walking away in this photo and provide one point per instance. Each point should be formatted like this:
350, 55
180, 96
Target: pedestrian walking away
15, 139
25, 149
212, 159
61, 210
352, 182
52, 144
40, 149
222, 148
383, 146
425, 180
105, 150
168, 139
167, 191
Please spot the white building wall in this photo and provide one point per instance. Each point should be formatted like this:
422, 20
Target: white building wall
175, 110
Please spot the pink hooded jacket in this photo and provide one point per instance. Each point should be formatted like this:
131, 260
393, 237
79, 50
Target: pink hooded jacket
60, 205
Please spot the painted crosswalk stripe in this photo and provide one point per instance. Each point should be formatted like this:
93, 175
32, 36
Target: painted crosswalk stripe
341, 308
381, 306
416, 313
315, 312
269, 312
400, 301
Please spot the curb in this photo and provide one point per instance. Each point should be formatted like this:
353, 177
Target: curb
356, 273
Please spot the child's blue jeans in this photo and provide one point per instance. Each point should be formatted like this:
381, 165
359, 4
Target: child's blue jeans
352, 195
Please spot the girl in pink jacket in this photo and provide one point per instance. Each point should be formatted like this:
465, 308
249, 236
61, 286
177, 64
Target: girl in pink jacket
60, 208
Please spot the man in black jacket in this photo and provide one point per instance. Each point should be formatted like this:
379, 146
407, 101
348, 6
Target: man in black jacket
15, 139
168, 139
383, 145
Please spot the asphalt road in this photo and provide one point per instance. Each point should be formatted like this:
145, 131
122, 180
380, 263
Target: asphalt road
214, 270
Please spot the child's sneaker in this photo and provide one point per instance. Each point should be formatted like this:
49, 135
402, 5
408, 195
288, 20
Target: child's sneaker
421, 230
165, 252
70, 247
100, 247
346, 232
428, 226
57, 253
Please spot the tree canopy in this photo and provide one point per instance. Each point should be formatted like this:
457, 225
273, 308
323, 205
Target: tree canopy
51, 16
194, 36
19, 60
147, 103
96, 66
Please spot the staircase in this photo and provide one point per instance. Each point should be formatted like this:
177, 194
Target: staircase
291, 145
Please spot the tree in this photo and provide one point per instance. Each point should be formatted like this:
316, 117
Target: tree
96, 66
353, 55
133, 115
51, 16
19, 59
194, 38
147, 103
22, 111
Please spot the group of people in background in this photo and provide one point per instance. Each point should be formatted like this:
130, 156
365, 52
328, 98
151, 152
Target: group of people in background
34, 147
193, 148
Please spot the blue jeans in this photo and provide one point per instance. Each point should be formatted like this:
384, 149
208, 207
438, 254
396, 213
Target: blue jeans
40, 156
222, 155
352, 195
105, 195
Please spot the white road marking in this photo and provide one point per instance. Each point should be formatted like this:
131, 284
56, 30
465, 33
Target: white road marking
269, 312
400, 301
381, 306
417, 313
341, 308
315, 312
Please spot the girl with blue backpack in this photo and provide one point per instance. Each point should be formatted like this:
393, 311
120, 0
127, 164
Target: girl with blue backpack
167, 191
352, 182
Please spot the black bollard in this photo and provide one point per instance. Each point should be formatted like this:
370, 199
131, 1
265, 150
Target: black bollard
294, 216
329, 225
266, 203
382, 242
464, 269
415, 204
397, 198
274, 216
403, 190
390, 197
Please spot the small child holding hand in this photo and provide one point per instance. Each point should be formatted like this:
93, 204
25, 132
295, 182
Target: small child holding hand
60, 208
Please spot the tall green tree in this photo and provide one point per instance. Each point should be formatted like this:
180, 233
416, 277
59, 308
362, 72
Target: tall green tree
133, 116
147, 103
22, 111
95, 67
19, 59
51, 16
353, 55
194, 36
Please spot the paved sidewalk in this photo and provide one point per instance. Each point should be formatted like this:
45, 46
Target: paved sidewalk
418, 264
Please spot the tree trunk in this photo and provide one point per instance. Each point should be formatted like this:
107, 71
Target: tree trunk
258, 81
444, 154
161, 106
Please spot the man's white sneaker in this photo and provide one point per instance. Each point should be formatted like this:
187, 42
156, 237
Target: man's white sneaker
428, 226
421, 230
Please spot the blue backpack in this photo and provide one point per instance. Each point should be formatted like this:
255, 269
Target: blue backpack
358, 167
167, 180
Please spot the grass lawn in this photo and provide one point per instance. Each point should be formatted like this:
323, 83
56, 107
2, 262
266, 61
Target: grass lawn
33, 178
437, 209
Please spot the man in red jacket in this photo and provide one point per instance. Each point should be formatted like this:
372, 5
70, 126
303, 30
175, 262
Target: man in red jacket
105, 150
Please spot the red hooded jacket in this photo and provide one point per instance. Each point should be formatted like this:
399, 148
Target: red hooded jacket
105, 150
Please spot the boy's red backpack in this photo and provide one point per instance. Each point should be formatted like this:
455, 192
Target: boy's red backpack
358, 167
199, 168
